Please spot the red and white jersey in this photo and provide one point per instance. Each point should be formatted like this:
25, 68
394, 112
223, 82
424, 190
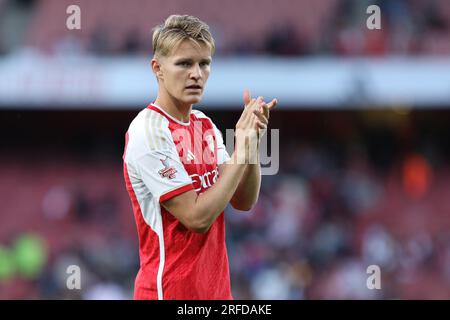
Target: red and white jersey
163, 158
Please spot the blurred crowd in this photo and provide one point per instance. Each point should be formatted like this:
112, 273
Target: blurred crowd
318, 225
286, 28
331, 211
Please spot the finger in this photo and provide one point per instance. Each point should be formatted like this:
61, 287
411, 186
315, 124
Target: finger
272, 104
259, 101
261, 125
261, 117
250, 106
246, 114
265, 110
247, 97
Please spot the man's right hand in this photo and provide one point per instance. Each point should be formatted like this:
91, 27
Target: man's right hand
251, 126
247, 132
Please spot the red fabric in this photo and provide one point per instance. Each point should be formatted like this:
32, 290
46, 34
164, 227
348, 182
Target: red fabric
196, 265
148, 249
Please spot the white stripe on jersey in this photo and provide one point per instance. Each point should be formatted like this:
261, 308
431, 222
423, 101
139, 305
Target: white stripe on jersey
154, 123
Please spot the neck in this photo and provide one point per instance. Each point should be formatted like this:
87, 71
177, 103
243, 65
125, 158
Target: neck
175, 108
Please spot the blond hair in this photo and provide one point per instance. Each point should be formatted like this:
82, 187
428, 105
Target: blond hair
177, 28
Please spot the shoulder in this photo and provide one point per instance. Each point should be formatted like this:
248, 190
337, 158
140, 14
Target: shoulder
149, 130
200, 115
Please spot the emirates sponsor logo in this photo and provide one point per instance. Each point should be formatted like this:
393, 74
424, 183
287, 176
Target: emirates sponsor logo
204, 181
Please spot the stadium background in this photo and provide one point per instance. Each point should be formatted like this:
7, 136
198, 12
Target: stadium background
364, 125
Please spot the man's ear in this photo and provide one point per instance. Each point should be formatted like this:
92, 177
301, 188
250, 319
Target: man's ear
156, 67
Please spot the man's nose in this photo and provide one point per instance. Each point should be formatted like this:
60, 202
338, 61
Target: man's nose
196, 72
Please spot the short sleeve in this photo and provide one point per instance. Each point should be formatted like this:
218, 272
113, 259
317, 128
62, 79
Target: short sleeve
153, 156
163, 174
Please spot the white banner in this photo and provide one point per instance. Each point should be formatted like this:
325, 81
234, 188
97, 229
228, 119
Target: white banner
30, 80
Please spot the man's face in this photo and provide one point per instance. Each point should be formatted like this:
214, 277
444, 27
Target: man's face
185, 70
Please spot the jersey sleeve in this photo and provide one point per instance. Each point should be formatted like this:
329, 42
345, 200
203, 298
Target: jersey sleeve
156, 160
163, 174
